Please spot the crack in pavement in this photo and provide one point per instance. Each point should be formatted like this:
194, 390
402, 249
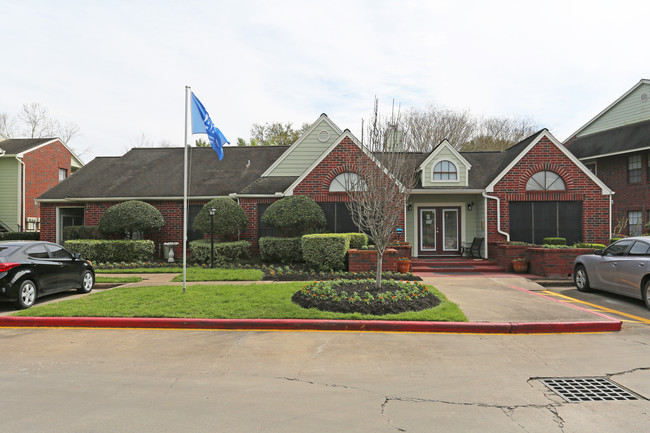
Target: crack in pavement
508, 410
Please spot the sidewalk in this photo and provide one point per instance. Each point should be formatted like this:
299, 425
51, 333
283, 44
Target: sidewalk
492, 304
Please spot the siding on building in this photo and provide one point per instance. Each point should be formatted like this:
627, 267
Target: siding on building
631, 109
10, 191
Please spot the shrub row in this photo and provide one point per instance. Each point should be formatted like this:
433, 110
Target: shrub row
224, 252
81, 232
112, 250
20, 236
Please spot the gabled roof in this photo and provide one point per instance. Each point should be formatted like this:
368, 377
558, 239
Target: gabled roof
624, 139
157, 173
294, 148
515, 153
18, 146
608, 108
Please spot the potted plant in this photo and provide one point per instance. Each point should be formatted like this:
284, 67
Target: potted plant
403, 265
520, 264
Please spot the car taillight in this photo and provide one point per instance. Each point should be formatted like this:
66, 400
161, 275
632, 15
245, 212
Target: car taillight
4, 267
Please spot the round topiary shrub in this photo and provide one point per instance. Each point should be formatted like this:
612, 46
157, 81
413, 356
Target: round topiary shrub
295, 215
229, 218
129, 217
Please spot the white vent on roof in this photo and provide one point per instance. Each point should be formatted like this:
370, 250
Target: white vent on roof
323, 136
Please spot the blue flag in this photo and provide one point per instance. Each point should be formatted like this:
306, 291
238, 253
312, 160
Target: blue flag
202, 124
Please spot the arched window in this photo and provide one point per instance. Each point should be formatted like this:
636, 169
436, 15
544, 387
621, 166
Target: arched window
445, 170
345, 182
545, 181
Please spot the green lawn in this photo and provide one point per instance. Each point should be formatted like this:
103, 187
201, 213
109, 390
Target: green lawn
118, 279
199, 274
251, 301
140, 271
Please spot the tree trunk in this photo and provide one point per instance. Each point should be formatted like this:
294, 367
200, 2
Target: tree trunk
380, 262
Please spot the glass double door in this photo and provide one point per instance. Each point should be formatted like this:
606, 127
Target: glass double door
439, 231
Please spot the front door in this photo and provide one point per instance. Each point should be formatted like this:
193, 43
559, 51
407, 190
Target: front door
439, 231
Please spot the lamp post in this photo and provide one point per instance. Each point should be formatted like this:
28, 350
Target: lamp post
212, 212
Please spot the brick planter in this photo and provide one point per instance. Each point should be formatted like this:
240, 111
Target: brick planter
552, 263
366, 260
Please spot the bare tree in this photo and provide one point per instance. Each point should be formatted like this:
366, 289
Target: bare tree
464, 131
386, 176
432, 125
7, 125
499, 133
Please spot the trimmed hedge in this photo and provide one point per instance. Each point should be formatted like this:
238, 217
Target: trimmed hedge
281, 250
112, 250
586, 245
295, 215
229, 217
554, 241
358, 240
20, 236
81, 232
224, 252
325, 252
131, 217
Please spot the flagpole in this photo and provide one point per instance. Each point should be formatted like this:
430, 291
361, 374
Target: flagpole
185, 176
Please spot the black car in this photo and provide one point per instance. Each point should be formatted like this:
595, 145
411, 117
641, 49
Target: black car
31, 269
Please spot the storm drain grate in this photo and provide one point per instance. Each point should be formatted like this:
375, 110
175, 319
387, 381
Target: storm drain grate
578, 389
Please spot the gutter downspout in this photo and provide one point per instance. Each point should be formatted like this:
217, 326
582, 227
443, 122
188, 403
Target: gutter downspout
22, 193
507, 235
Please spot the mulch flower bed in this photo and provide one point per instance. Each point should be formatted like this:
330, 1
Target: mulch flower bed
339, 300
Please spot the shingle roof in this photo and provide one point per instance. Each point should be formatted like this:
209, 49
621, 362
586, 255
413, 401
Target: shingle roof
14, 146
626, 138
158, 172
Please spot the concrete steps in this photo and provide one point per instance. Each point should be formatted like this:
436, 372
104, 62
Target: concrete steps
452, 265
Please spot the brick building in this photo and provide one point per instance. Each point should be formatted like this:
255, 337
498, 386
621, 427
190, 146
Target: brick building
615, 145
532, 190
28, 168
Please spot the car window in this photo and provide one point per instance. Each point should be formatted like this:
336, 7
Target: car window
57, 252
618, 249
639, 249
7, 251
38, 252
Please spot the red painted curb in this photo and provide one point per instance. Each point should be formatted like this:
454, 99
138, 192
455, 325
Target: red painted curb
320, 325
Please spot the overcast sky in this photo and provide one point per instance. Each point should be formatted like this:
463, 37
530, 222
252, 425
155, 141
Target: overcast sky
119, 68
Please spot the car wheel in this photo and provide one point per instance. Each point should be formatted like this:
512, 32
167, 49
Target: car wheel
646, 294
581, 279
87, 282
26, 294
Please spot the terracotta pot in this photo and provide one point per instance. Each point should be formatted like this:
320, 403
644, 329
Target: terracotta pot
403, 266
519, 266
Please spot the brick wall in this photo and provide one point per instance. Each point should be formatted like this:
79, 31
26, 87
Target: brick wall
579, 187
629, 196
42, 173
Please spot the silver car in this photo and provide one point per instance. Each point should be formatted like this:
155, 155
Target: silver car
622, 268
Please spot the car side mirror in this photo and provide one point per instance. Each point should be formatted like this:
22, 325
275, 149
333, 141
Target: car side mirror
599, 252
76, 256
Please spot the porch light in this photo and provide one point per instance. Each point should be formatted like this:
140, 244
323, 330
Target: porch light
469, 206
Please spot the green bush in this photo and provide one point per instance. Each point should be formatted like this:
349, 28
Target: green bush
325, 252
112, 250
295, 215
554, 241
129, 217
358, 240
224, 252
20, 236
587, 245
229, 217
81, 232
281, 250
